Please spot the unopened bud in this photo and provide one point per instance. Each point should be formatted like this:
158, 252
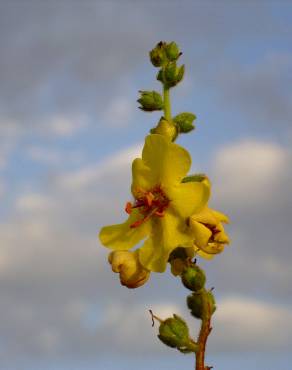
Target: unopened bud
126, 263
179, 259
174, 333
172, 51
165, 128
184, 122
150, 101
157, 55
173, 74
193, 278
196, 304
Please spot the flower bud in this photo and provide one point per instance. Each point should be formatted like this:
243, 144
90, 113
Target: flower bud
174, 333
195, 303
165, 128
184, 122
193, 278
150, 101
172, 51
172, 74
126, 263
157, 55
179, 259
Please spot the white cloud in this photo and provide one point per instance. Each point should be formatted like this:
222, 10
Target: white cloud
249, 324
52, 156
65, 126
33, 202
108, 166
249, 172
119, 111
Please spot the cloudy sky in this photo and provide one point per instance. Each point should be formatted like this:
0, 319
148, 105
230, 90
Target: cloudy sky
69, 129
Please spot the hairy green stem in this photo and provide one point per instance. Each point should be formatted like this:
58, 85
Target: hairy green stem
166, 103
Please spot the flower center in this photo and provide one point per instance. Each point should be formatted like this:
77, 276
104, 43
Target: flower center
150, 203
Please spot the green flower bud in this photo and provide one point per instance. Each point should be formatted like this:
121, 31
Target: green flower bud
174, 333
165, 128
172, 51
179, 252
195, 303
159, 76
184, 122
157, 55
180, 73
172, 74
193, 278
150, 101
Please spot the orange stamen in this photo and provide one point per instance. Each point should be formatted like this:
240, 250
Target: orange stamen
128, 207
149, 203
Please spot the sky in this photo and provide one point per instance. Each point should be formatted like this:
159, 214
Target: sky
70, 72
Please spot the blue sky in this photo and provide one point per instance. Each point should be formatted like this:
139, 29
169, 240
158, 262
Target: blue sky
69, 128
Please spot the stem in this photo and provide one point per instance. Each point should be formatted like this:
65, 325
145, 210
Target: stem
166, 103
203, 336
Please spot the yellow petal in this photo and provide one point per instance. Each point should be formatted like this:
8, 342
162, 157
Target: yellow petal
206, 216
188, 198
220, 216
168, 162
122, 236
142, 177
221, 236
200, 233
168, 233
126, 263
213, 248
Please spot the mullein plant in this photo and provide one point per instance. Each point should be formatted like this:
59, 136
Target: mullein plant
168, 215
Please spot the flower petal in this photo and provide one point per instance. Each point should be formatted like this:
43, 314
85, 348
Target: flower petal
168, 162
188, 198
200, 233
122, 236
210, 250
142, 177
168, 233
206, 216
220, 216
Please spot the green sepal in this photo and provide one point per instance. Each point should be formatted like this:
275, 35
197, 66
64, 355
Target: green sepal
157, 55
172, 74
196, 304
174, 333
198, 177
159, 76
180, 74
172, 51
150, 101
193, 278
184, 122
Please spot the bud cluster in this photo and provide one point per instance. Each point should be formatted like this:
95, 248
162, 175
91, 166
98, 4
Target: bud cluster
165, 55
150, 101
201, 302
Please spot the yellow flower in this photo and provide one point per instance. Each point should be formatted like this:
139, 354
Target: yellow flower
161, 206
132, 273
208, 232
